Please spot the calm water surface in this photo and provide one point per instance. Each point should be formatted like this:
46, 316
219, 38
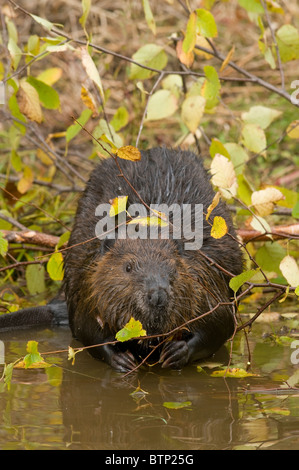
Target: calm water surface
89, 406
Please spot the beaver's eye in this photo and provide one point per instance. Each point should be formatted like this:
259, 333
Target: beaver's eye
129, 267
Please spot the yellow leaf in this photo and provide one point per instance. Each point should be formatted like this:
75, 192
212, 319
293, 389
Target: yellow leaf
224, 176
234, 372
153, 221
290, 270
44, 157
35, 365
129, 153
293, 130
214, 203
219, 228
192, 111
186, 58
91, 69
50, 76
202, 42
264, 200
132, 329
118, 205
28, 101
89, 101
227, 59
26, 181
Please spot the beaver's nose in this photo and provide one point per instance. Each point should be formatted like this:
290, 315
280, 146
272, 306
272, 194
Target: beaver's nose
157, 297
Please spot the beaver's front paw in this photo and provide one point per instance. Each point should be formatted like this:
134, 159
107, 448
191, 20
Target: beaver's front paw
175, 355
122, 361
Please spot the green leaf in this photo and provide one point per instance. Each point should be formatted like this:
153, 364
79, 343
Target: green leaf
261, 116
193, 109
211, 87
252, 6
238, 156
291, 197
190, 36
12, 46
218, 147
8, 370
295, 212
15, 111
101, 130
3, 245
120, 118
43, 22
15, 53
288, 42
162, 104
173, 83
269, 257
133, 329
244, 189
63, 239
206, 23
74, 129
55, 267
33, 359
35, 278
149, 16
236, 282
177, 405
254, 138
149, 55
86, 4
47, 95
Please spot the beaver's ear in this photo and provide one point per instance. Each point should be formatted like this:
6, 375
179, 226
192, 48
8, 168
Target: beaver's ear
106, 245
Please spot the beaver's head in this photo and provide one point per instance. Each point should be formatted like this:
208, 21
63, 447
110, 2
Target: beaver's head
144, 279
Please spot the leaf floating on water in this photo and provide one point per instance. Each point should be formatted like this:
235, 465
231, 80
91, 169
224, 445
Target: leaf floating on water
33, 360
234, 373
176, 405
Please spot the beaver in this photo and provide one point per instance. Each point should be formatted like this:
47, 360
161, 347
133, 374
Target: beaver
109, 279
162, 281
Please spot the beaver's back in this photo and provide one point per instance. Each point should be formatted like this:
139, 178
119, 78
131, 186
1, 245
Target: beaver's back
162, 176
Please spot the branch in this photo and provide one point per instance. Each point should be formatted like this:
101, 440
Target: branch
277, 233
50, 241
32, 237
